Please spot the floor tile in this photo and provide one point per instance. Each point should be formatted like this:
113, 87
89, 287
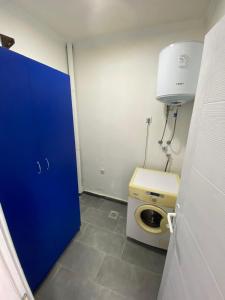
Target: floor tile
83, 208
100, 218
86, 289
70, 286
108, 242
128, 280
150, 258
48, 279
109, 205
90, 201
107, 294
82, 259
81, 288
121, 226
54, 288
82, 229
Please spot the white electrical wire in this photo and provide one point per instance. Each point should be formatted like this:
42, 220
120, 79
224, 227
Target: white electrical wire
149, 121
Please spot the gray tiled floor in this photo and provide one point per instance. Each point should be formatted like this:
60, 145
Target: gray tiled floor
99, 218
102, 240
121, 226
100, 263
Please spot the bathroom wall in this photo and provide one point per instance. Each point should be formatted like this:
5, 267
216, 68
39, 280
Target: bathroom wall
33, 39
215, 12
116, 87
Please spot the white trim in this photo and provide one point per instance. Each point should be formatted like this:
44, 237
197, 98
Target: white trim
11, 260
70, 61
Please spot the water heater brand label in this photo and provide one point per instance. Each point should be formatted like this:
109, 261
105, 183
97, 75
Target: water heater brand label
183, 61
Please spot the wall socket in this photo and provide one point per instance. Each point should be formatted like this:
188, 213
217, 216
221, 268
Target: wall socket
102, 171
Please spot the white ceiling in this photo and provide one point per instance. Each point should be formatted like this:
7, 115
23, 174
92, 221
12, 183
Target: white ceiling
77, 19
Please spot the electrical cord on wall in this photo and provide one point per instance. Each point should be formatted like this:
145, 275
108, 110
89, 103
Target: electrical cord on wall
148, 121
166, 121
174, 127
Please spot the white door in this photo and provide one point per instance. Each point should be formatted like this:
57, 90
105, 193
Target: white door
195, 265
13, 285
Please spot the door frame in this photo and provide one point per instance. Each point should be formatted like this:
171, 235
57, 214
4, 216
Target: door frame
10, 258
163, 223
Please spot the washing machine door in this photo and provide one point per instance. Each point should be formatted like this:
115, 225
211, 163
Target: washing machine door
151, 218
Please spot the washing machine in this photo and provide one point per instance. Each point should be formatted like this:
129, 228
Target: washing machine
152, 194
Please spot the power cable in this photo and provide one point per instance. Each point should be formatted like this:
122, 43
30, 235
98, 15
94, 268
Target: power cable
148, 121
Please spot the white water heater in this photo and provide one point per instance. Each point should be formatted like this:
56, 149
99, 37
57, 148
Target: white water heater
178, 72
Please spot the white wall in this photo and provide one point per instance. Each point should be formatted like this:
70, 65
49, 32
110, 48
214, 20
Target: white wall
215, 12
33, 39
116, 87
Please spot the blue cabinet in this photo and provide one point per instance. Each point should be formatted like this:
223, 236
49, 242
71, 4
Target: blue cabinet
38, 178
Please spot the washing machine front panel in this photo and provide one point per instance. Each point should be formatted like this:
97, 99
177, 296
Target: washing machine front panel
152, 219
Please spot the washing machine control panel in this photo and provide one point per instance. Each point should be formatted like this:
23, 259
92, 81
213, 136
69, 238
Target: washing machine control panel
154, 198
154, 195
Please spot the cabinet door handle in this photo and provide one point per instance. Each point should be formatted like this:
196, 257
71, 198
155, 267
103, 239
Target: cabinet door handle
47, 162
171, 216
39, 167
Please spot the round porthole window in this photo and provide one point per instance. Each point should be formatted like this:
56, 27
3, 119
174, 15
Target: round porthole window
151, 218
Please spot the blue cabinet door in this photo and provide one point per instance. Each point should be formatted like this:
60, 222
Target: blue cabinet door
58, 189
18, 160
42, 210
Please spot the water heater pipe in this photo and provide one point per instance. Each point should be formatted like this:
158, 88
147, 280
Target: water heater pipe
70, 62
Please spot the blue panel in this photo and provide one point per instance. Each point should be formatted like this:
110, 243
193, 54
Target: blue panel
42, 211
53, 115
18, 168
